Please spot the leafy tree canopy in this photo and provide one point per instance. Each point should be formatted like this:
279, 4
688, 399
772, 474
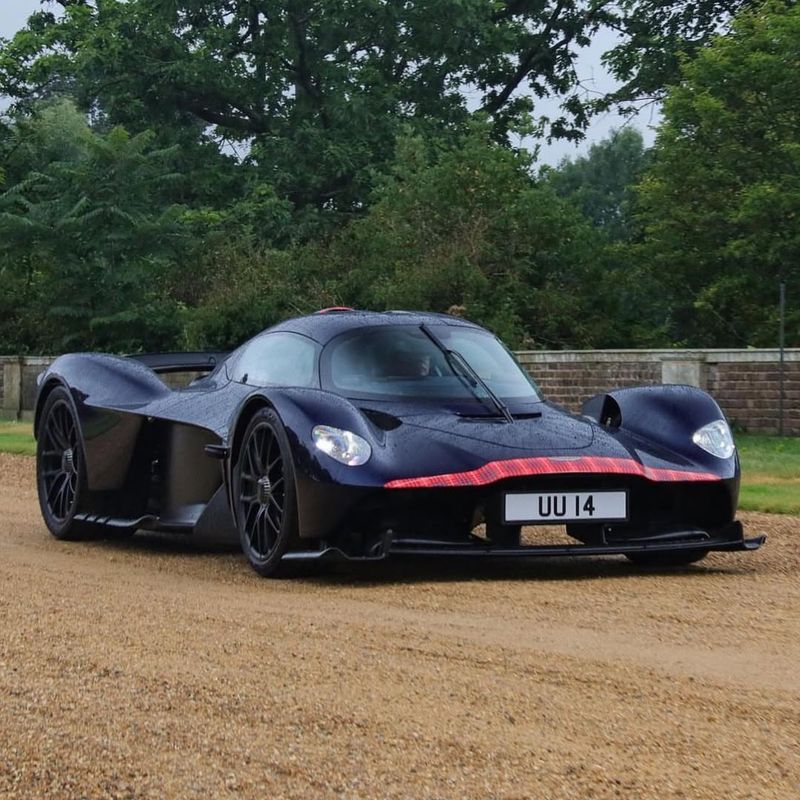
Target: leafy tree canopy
721, 204
185, 172
87, 225
600, 183
318, 91
461, 227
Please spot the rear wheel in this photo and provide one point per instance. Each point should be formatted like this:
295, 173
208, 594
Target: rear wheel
669, 559
264, 487
60, 467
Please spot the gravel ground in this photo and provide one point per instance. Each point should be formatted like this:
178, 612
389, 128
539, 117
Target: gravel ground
149, 669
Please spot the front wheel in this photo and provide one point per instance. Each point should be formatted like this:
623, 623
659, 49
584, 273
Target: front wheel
678, 558
264, 488
60, 467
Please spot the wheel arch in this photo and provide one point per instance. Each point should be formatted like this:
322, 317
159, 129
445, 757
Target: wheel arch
45, 390
245, 413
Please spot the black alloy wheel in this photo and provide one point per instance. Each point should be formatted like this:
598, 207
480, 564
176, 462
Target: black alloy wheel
266, 511
60, 466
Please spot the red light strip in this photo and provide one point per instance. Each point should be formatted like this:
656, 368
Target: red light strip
520, 467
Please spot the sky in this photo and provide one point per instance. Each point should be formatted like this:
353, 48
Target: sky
14, 13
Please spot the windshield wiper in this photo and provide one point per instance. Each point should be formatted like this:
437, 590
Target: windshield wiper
471, 378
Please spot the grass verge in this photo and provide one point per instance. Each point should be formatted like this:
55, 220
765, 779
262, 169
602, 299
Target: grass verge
17, 437
770, 473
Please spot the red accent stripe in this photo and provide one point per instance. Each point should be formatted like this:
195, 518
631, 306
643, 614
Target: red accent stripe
520, 467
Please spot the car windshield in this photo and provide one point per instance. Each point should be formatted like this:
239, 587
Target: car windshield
402, 361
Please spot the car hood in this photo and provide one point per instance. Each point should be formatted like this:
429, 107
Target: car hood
539, 428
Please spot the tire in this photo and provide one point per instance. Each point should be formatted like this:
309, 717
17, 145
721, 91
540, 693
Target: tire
677, 558
265, 493
61, 467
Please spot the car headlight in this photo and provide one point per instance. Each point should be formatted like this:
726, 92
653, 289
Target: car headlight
345, 447
715, 438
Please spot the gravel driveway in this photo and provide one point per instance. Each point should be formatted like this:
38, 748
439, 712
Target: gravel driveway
149, 669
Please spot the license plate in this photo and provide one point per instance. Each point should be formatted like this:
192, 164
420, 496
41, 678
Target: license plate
557, 507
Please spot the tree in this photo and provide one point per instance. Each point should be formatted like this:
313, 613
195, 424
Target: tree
319, 91
88, 229
721, 203
601, 183
462, 226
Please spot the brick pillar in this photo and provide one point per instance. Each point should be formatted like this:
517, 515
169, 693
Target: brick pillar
688, 369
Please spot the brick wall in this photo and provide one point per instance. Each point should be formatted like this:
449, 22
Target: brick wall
749, 394
570, 382
744, 382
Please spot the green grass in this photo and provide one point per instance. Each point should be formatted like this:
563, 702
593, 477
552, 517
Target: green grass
17, 437
770, 473
770, 467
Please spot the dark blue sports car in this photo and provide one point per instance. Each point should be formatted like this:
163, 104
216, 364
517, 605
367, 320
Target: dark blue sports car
362, 434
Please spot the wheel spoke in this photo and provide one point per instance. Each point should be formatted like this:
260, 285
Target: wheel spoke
51, 441
255, 458
248, 456
63, 426
272, 464
250, 525
58, 439
56, 483
276, 523
266, 522
259, 450
61, 498
263, 544
268, 453
66, 500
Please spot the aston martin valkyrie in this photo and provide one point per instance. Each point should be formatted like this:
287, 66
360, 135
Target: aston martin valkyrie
359, 435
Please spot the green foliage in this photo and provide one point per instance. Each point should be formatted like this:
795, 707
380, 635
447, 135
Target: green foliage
188, 172
473, 230
246, 289
87, 232
463, 226
601, 183
320, 91
721, 203
655, 37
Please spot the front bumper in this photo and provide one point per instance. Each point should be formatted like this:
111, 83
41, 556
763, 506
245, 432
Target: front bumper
728, 538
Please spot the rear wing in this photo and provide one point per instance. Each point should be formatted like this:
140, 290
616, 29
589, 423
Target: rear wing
162, 363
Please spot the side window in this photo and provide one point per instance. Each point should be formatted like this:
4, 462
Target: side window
285, 359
